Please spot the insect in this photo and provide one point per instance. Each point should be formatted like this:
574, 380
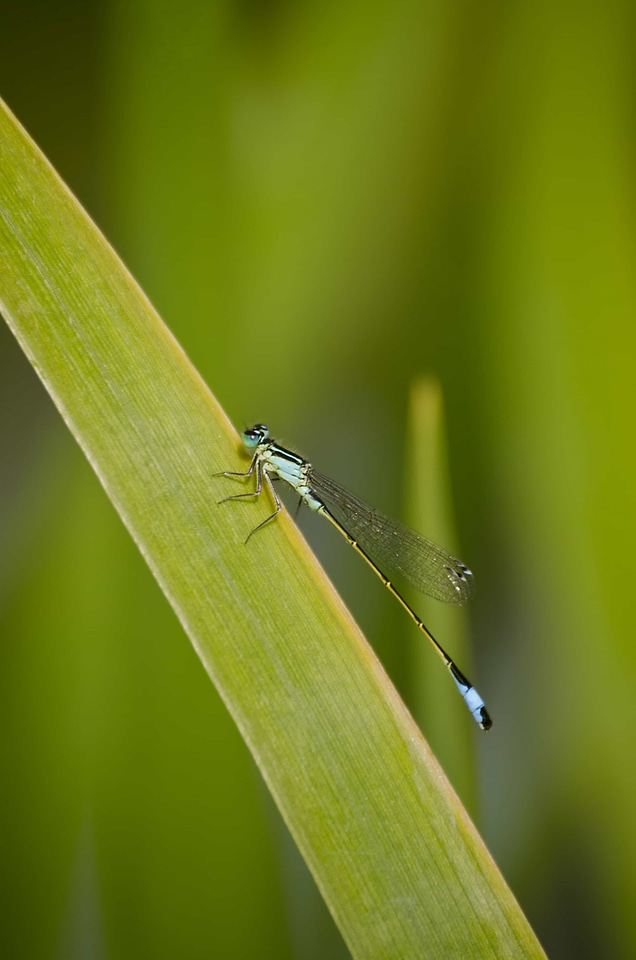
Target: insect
385, 544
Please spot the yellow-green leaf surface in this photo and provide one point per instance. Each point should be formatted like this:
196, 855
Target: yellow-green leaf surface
399, 863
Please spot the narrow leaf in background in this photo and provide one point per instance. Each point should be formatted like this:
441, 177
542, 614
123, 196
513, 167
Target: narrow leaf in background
429, 510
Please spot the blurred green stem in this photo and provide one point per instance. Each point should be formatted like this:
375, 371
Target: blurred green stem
429, 509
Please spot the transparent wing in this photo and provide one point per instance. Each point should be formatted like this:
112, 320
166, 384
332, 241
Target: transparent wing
394, 548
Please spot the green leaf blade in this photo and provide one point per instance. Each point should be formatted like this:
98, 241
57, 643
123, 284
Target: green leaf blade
394, 853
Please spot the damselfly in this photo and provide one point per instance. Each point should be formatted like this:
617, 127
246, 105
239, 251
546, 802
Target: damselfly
385, 544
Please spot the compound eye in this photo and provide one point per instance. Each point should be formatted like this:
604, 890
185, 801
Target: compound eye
252, 436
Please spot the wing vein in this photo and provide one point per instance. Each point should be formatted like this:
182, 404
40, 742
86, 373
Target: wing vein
395, 548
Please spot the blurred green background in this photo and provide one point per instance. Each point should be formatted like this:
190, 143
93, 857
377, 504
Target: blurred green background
327, 201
